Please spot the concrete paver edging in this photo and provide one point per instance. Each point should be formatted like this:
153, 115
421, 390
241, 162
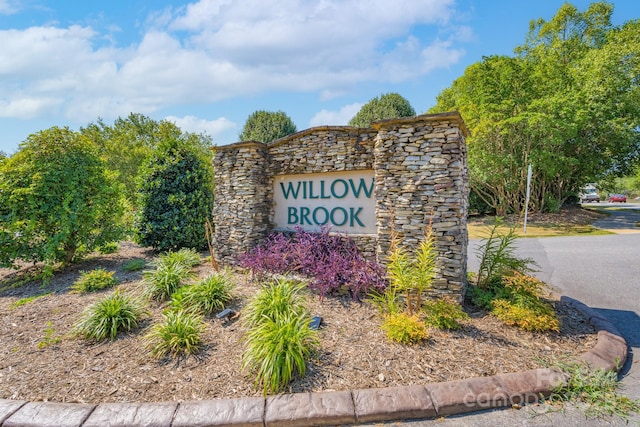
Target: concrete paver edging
331, 407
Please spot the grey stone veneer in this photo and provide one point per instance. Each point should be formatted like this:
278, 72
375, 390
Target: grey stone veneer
420, 169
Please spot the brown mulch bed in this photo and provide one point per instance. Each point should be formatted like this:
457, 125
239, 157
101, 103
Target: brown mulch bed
571, 216
39, 361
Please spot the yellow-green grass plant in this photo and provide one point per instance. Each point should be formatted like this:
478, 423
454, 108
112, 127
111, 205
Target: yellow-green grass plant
277, 297
27, 300
180, 333
185, 256
277, 350
165, 279
279, 340
412, 274
108, 316
206, 296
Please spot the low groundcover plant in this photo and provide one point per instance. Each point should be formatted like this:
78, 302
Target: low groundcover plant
330, 260
94, 280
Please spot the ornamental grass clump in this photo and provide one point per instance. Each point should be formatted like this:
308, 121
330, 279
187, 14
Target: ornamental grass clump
276, 298
279, 340
170, 273
180, 333
108, 316
185, 256
330, 260
206, 296
94, 280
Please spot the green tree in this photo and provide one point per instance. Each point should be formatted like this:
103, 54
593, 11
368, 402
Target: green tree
387, 106
128, 144
175, 195
567, 103
56, 197
267, 126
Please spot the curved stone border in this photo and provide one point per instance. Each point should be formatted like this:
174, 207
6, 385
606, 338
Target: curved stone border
329, 408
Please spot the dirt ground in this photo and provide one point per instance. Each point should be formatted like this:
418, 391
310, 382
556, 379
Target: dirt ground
40, 361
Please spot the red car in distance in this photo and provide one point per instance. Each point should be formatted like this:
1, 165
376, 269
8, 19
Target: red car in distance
620, 198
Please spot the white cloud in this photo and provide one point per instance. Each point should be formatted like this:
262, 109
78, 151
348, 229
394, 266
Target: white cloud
212, 50
335, 118
8, 7
217, 129
26, 107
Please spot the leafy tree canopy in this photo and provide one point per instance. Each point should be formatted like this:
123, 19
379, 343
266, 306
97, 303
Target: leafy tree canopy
568, 103
56, 197
127, 144
267, 126
387, 106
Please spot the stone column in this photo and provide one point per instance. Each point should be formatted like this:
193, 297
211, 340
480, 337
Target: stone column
241, 199
421, 178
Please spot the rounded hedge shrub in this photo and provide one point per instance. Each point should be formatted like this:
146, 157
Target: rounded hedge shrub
175, 196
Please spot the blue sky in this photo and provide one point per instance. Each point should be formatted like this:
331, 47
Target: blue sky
206, 65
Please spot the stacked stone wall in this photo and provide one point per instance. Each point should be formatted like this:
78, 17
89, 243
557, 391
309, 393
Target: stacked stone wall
420, 170
421, 179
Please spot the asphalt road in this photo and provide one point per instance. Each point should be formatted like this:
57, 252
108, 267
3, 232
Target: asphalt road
604, 273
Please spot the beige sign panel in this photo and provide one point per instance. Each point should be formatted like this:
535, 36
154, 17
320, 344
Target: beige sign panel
342, 200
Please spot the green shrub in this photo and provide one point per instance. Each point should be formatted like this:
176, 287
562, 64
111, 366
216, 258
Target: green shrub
169, 274
443, 314
108, 316
387, 106
94, 280
134, 265
517, 301
209, 294
267, 126
404, 328
278, 348
56, 196
534, 318
279, 339
180, 333
175, 195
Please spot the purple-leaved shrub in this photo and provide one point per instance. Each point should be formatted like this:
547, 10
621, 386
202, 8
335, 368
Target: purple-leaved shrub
329, 260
